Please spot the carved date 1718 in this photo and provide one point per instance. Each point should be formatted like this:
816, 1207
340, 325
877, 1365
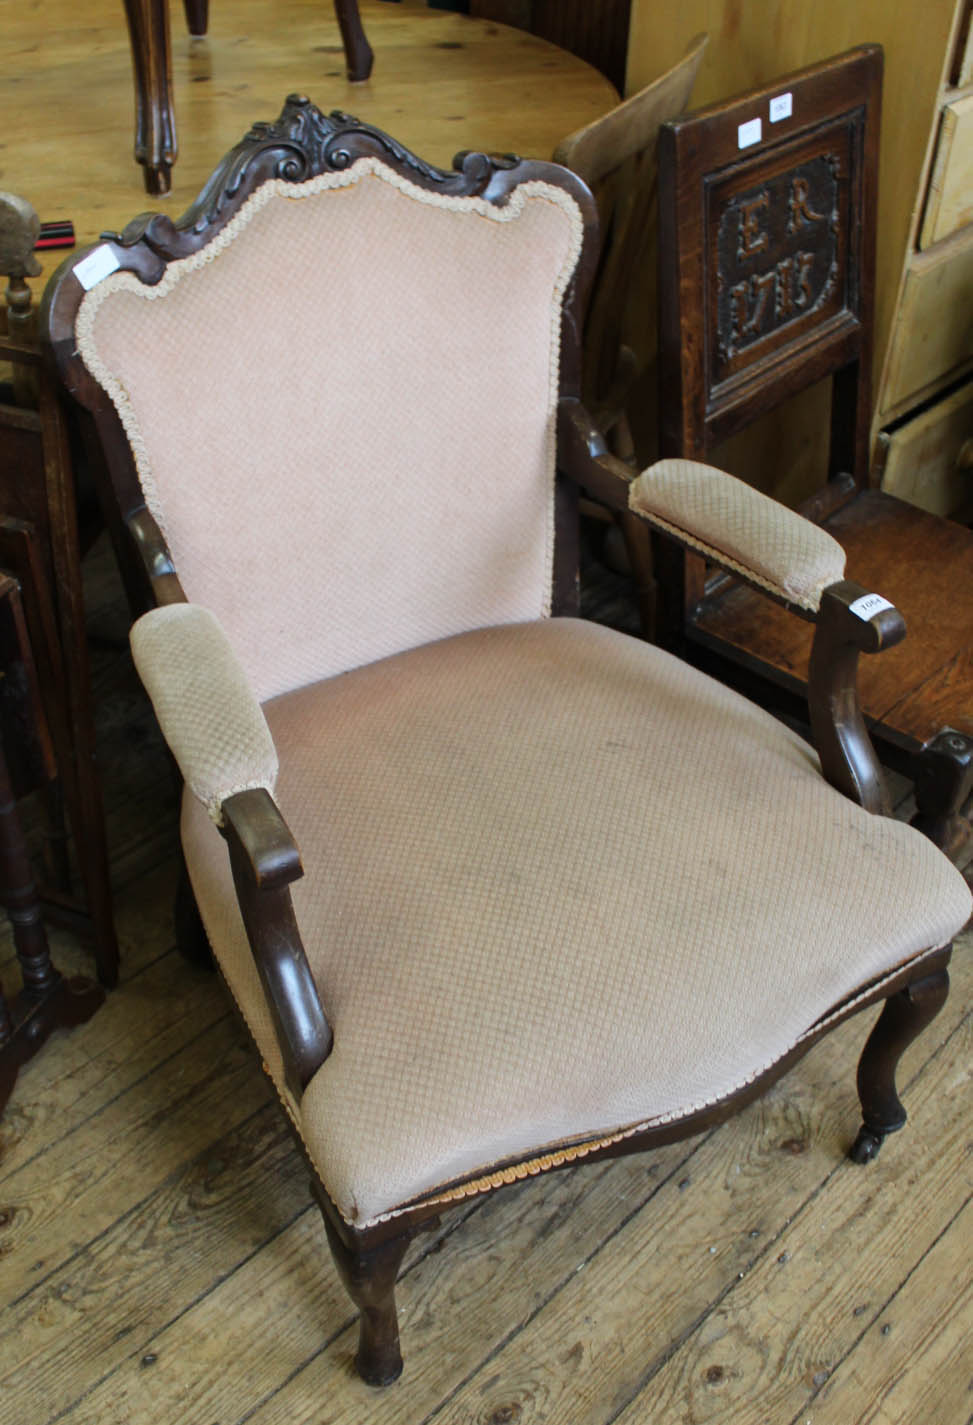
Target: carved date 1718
777, 251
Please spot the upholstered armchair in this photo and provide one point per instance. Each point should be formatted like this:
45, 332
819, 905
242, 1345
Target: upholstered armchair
495, 890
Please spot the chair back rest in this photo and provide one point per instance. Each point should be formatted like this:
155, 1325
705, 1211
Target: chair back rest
767, 252
337, 378
616, 157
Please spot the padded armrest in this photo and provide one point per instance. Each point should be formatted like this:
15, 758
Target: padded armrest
208, 714
739, 528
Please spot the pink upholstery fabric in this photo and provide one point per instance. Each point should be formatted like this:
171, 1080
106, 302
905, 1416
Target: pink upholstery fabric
558, 884
331, 411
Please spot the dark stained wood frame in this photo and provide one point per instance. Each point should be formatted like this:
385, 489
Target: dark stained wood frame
55, 614
46, 1000
837, 106
263, 855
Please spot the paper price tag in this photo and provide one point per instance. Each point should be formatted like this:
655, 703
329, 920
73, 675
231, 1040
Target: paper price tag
96, 266
869, 605
749, 133
781, 107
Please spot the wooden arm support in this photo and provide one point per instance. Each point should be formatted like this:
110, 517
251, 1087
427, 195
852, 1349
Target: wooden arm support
265, 860
584, 457
848, 758
155, 557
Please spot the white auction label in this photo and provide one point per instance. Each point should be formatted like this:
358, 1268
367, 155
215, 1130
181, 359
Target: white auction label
96, 266
749, 133
781, 107
869, 605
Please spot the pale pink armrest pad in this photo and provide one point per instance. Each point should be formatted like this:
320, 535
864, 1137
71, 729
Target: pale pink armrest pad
209, 717
729, 521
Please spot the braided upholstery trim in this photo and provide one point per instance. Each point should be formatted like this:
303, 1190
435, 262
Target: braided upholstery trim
280, 188
720, 557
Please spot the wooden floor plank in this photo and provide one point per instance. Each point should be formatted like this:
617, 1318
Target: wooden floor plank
144, 1023
455, 1303
925, 1334
829, 1273
96, 1173
108, 1302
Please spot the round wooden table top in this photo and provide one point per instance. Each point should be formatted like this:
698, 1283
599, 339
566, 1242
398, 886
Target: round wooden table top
442, 82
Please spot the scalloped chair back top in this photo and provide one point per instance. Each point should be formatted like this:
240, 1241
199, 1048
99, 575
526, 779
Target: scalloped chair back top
321, 345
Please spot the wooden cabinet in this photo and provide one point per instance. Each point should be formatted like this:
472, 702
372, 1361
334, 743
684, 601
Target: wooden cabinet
924, 408
928, 459
949, 202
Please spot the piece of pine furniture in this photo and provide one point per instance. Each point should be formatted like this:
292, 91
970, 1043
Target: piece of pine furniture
40, 545
616, 157
46, 1000
496, 890
924, 408
767, 236
155, 120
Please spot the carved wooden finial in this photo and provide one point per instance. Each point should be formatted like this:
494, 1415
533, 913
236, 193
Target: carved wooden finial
19, 226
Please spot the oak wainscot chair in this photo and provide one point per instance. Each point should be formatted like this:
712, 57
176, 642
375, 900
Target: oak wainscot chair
615, 155
558, 895
768, 213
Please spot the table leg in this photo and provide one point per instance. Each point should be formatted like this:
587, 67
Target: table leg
47, 1000
155, 122
197, 16
358, 52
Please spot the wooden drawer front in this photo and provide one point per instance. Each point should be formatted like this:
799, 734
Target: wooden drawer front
930, 458
949, 203
933, 332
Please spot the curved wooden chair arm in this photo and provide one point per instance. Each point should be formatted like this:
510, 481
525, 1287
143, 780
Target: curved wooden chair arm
265, 860
850, 621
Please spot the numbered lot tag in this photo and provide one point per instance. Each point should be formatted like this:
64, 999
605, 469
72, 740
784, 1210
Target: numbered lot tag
869, 605
749, 133
781, 107
96, 266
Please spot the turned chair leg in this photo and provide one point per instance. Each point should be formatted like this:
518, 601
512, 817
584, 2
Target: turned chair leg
369, 1278
903, 1018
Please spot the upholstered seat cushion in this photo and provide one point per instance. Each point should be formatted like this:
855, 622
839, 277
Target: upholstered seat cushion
558, 884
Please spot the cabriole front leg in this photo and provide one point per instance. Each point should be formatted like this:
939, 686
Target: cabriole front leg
903, 1019
369, 1276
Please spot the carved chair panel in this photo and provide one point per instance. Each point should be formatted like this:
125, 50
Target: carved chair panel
768, 230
